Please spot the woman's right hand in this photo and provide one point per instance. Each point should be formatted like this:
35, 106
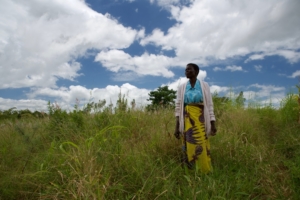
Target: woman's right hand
177, 133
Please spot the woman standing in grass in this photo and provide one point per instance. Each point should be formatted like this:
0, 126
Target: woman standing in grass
195, 119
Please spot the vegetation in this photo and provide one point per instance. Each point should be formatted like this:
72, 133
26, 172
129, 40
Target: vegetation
163, 97
129, 153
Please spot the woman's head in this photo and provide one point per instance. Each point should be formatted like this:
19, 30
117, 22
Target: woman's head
191, 70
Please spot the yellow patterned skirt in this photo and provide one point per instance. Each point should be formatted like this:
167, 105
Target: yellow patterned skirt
195, 142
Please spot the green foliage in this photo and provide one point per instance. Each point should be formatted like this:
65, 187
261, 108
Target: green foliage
163, 97
58, 121
93, 107
132, 154
9, 114
122, 105
240, 100
221, 104
289, 108
13, 114
98, 106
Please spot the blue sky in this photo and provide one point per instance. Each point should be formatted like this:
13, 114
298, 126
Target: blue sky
93, 50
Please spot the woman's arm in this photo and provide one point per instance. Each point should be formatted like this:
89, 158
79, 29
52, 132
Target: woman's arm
213, 130
210, 103
177, 113
177, 132
211, 111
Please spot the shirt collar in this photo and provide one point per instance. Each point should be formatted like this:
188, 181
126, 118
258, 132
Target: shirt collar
197, 85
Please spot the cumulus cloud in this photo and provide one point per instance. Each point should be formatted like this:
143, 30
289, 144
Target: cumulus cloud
67, 97
41, 40
254, 94
255, 57
226, 29
265, 94
146, 64
218, 89
295, 74
229, 68
23, 104
291, 56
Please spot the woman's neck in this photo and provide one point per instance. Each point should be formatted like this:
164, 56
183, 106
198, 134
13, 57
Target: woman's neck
193, 81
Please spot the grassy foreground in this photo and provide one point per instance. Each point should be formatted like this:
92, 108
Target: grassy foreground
133, 155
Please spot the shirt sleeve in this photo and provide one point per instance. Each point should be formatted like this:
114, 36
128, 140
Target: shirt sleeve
209, 102
178, 102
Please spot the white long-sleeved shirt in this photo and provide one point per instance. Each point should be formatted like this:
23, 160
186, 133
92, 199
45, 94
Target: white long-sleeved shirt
208, 106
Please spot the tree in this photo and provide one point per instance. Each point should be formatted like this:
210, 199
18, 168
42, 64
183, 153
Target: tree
162, 97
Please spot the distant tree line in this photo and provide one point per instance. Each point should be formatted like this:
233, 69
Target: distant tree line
12, 113
161, 98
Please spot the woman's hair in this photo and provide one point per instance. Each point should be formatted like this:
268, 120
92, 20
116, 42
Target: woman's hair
196, 67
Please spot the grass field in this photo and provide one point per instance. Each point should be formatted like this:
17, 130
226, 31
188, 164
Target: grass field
132, 154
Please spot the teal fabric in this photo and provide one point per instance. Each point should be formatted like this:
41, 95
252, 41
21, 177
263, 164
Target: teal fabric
193, 95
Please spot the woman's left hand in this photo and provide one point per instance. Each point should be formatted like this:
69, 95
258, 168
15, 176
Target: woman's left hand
213, 131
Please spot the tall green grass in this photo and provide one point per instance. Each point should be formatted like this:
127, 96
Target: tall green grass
132, 154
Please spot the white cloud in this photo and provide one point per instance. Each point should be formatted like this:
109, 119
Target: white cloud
234, 68
202, 75
146, 64
266, 93
23, 104
175, 84
295, 74
140, 34
229, 68
218, 89
291, 56
226, 29
255, 57
257, 94
67, 97
41, 40
267, 89
257, 67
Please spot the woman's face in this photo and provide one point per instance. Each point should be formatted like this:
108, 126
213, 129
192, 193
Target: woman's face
190, 72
